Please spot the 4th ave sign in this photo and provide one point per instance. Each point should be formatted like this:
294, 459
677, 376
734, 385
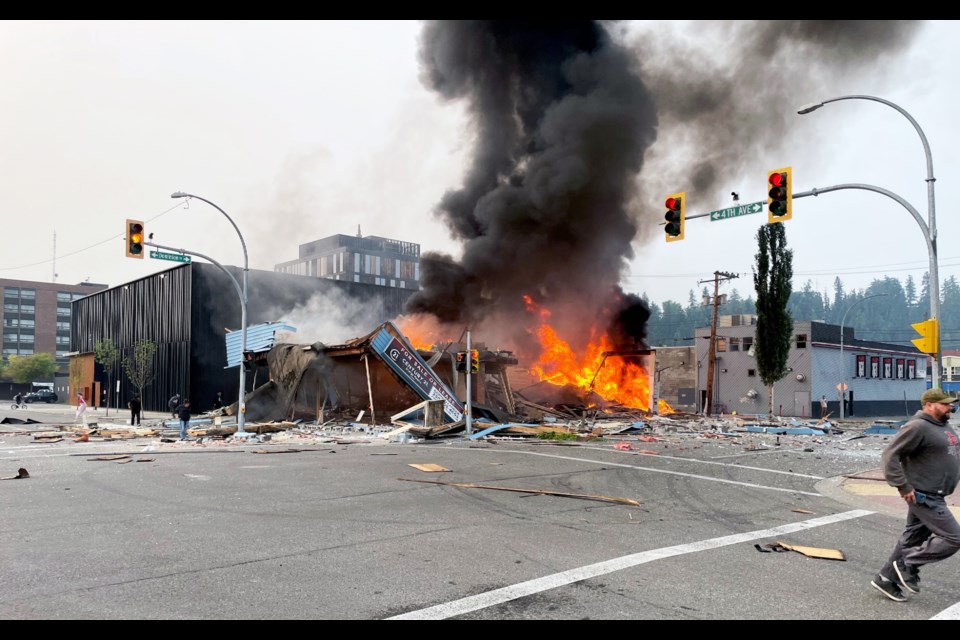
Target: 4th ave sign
173, 257
736, 212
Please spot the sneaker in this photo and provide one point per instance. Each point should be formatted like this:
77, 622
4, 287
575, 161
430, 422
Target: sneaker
888, 588
909, 577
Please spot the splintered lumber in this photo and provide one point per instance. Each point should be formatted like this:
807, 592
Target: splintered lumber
109, 458
814, 552
428, 467
542, 492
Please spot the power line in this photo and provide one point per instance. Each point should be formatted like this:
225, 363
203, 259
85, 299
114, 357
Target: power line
97, 244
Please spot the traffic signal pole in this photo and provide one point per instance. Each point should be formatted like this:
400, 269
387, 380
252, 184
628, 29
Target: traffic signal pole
929, 236
468, 406
242, 399
241, 406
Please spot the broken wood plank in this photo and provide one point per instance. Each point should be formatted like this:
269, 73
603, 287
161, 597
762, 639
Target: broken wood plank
428, 467
542, 492
798, 510
110, 458
814, 552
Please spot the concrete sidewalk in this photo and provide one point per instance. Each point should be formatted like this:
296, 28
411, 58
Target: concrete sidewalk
870, 491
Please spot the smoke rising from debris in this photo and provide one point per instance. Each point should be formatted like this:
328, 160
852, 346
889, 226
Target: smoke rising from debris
562, 119
565, 175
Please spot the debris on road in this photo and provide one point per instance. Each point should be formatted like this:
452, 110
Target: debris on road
429, 467
21, 473
542, 492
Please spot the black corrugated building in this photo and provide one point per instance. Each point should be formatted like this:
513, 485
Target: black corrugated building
186, 311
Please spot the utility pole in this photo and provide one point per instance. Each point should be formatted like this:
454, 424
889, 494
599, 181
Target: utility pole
718, 276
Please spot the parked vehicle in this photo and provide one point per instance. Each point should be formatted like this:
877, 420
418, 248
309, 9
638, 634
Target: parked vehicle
41, 395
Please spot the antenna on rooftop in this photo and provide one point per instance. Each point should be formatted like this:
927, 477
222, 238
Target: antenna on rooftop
358, 232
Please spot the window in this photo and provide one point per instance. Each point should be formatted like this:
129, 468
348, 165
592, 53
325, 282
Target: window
801, 341
861, 367
63, 340
28, 294
64, 296
911, 369
11, 308
734, 344
26, 338
63, 312
748, 343
888, 367
901, 366
721, 344
65, 326
751, 373
874, 366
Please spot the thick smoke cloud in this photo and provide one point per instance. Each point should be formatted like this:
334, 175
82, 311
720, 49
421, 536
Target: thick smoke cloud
565, 174
562, 120
727, 94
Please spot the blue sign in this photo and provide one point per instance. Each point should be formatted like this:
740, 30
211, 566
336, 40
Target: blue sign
406, 363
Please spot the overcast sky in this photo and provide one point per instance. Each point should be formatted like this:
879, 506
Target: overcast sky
301, 130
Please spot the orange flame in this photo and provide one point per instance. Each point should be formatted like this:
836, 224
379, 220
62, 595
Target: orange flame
611, 377
421, 331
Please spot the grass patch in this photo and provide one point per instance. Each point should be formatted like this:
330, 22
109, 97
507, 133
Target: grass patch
556, 435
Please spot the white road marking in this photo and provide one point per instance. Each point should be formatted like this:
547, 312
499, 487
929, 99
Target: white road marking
950, 613
537, 585
752, 485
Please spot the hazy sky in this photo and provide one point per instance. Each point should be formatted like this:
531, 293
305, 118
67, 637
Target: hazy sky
305, 129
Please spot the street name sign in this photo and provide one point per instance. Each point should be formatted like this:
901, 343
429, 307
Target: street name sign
174, 257
736, 212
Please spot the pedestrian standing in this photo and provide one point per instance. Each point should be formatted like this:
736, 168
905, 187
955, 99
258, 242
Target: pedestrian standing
183, 412
823, 407
135, 407
173, 403
81, 407
923, 463
218, 401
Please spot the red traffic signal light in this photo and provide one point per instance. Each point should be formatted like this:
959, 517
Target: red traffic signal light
674, 217
135, 239
249, 360
779, 202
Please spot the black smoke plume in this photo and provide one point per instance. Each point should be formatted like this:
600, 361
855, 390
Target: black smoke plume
562, 119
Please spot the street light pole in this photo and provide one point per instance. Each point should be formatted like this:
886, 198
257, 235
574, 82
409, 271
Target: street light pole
930, 230
843, 368
241, 400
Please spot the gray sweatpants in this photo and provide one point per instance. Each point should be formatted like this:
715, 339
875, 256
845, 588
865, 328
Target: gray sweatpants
931, 534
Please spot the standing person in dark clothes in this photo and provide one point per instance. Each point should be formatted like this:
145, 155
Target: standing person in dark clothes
923, 463
173, 404
135, 407
183, 412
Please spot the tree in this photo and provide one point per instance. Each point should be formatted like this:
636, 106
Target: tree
139, 364
105, 352
772, 279
22, 369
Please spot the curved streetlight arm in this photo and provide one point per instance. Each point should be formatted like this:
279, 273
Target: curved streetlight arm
930, 231
934, 269
241, 399
181, 194
236, 285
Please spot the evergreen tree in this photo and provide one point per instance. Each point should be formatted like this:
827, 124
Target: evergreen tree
772, 276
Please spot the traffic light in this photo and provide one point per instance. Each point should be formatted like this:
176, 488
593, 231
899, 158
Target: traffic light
248, 361
927, 329
779, 202
461, 360
674, 216
474, 361
135, 238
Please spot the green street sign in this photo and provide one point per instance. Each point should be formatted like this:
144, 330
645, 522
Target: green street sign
736, 212
173, 257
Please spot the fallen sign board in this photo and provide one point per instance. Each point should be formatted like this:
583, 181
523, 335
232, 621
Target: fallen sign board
403, 360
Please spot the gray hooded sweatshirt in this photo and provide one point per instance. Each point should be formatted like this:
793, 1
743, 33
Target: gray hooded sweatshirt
923, 456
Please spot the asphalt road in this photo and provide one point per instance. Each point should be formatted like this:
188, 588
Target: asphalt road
297, 528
